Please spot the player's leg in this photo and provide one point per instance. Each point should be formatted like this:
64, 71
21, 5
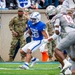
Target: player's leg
64, 43
62, 57
23, 51
22, 43
37, 45
54, 42
49, 46
29, 48
12, 49
73, 59
60, 60
34, 60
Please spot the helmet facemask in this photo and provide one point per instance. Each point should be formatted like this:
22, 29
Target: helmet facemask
33, 20
35, 17
50, 17
51, 11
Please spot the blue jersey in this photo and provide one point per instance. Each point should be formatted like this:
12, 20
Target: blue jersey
37, 29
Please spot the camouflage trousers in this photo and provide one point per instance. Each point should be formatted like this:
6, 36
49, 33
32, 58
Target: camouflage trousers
51, 47
17, 43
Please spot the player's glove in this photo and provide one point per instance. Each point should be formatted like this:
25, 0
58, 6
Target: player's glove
26, 35
45, 40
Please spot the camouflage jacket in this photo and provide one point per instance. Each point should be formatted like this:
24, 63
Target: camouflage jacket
50, 29
18, 24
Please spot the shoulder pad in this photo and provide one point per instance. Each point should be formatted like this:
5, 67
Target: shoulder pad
57, 16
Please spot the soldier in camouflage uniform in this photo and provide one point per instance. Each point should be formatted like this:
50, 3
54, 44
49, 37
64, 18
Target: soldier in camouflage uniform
17, 26
50, 45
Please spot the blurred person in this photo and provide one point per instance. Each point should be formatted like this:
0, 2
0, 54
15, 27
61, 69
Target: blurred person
50, 45
60, 2
41, 4
2, 4
17, 26
51, 11
51, 2
11, 4
71, 3
55, 2
70, 51
26, 12
36, 4
67, 26
67, 3
47, 3
37, 30
30, 4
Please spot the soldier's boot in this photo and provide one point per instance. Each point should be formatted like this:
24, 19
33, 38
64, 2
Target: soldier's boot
10, 59
50, 57
1, 60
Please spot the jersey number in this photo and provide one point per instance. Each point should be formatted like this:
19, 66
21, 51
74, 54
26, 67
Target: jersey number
68, 18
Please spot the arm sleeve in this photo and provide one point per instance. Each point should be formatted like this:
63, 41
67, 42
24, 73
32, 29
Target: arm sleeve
57, 22
11, 23
43, 27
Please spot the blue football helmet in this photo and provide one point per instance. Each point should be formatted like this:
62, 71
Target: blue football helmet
35, 17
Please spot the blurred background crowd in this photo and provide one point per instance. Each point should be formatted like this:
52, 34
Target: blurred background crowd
30, 4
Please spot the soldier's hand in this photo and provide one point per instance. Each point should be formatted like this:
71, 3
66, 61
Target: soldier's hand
14, 33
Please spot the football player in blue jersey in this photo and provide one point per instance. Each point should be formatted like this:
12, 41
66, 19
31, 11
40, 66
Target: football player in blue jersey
37, 29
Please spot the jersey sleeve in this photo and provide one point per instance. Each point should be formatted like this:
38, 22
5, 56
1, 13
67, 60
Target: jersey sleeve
43, 27
57, 22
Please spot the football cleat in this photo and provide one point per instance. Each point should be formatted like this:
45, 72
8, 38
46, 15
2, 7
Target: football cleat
34, 62
67, 65
68, 72
60, 66
25, 66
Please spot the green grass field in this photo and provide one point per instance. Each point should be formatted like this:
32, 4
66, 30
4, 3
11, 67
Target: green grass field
41, 68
